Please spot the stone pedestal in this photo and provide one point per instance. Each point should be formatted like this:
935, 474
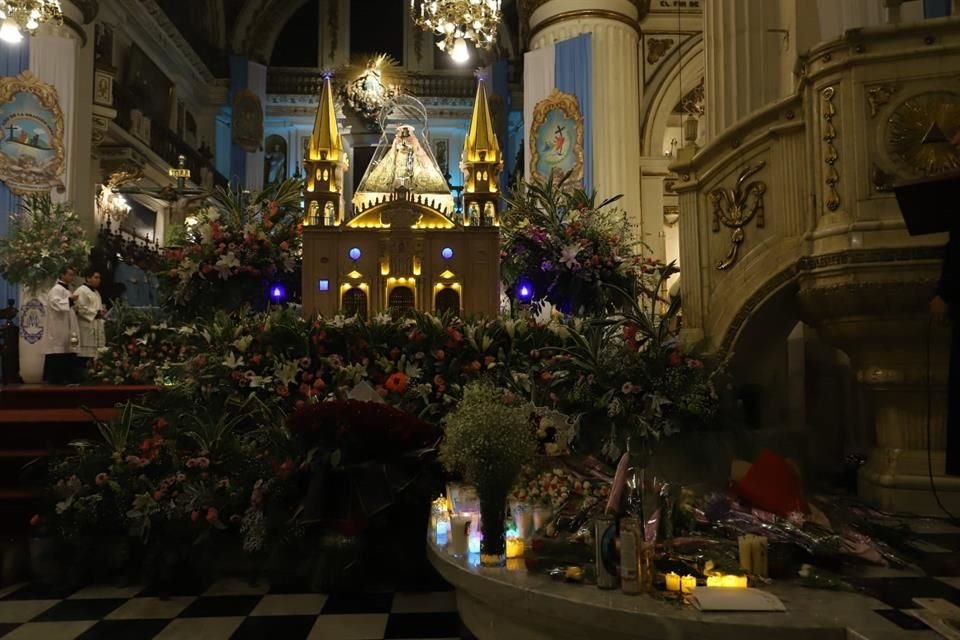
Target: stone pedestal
900, 360
616, 85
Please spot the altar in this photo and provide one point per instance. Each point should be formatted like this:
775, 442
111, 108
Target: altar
514, 604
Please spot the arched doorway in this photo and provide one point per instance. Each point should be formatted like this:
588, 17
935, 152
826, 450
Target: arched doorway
400, 301
354, 303
447, 299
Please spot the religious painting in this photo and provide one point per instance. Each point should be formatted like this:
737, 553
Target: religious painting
441, 151
247, 129
103, 88
274, 159
556, 137
31, 149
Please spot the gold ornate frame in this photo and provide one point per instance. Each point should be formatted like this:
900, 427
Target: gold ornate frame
21, 178
568, 105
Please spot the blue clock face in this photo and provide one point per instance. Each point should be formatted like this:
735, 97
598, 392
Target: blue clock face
354, 253
447, 253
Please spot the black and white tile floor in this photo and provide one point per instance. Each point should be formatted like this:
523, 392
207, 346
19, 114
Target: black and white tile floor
229, 610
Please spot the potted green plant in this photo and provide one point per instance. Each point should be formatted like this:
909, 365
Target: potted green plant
489, 438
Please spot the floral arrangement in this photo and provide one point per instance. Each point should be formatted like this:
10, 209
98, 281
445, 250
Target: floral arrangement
630, 372
232, 250
554, 487
175, 483
488, 439
564, 248
43, 238
357, 431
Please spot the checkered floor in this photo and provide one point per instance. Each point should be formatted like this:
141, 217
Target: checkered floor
229, 609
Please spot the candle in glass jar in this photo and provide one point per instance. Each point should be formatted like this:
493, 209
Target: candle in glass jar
673, 581
688, 584
737, 582
514, 547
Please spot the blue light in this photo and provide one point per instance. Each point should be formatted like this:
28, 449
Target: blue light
323, 285
354, 253
447, 253
524, 290
277, 293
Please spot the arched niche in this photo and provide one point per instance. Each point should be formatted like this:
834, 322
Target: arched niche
673, 79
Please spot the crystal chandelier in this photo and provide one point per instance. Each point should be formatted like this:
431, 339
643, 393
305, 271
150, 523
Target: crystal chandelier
21, 17
458, 21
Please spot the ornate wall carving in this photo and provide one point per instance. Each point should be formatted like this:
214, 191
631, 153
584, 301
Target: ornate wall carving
657, 48
830, 154
735, 208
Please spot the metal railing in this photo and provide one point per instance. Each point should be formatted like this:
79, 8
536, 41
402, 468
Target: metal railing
296, 81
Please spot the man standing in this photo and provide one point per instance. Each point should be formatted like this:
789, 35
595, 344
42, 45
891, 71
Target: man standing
90, 314
944, 304
61, 331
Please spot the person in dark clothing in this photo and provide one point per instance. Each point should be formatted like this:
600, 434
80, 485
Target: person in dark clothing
946, 303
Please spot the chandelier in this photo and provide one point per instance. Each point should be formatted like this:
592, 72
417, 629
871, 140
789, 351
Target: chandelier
458, 21
21, 17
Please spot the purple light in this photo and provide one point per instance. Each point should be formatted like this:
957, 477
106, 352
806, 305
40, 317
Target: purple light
277, 293
524, 290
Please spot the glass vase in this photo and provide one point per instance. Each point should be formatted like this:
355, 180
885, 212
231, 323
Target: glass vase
493, 545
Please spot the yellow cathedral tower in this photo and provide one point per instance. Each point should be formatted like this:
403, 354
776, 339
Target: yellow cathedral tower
481, 164
324, 166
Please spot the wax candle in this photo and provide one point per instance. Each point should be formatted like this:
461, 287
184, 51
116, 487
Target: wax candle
514, 547
673, 581
688, 584
738, 582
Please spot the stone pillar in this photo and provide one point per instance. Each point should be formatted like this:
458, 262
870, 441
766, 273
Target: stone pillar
616, 85
899, 359
63, 56
744, 42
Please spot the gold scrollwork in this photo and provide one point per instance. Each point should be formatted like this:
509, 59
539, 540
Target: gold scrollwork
735, 208
879, 96
567, 105
830, 153
25, 174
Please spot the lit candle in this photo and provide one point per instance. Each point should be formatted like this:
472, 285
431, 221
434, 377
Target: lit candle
688, 584
737, 582
514, 547
673, 581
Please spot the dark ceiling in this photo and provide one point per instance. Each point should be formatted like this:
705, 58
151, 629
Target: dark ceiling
217, 28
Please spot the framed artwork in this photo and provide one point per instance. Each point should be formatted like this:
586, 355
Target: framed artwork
556, 137
441, 152
31, 148
103, 88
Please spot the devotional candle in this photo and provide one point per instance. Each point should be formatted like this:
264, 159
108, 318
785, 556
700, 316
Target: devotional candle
688, 584
673, 581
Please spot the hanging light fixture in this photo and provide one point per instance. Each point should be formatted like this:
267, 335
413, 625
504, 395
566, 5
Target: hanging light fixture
458, 21
24, 17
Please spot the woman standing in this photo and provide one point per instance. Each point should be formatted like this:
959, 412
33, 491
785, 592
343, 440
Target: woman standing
90, 314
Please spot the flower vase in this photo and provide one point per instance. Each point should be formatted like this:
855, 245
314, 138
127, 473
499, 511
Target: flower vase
33, 312
493, 545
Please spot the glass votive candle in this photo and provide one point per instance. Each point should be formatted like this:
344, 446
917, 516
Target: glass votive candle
687, 585
460, 534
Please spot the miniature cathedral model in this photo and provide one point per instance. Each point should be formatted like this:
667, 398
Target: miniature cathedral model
404, 247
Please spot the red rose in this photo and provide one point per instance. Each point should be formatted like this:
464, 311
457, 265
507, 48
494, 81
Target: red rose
212, 515
35, 520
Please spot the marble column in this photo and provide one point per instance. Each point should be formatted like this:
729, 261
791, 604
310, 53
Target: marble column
616, 88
